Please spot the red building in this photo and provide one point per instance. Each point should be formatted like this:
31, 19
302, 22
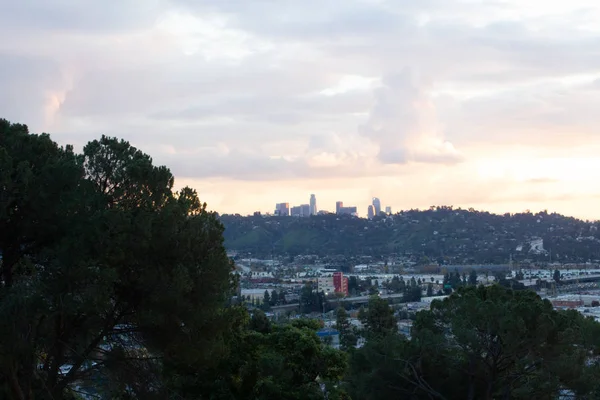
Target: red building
340, 283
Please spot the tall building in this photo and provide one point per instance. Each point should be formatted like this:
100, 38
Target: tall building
340, 283
338, 206
325, 285
388, 210
313, 204
302, 210
296, 211
348, 211
305, 210
371, 211
282, 209
377, 204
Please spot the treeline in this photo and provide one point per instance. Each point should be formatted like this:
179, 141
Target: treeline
443, 235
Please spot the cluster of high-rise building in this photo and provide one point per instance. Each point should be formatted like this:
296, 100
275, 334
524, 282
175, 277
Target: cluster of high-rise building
375, 208
306, 210
303, 210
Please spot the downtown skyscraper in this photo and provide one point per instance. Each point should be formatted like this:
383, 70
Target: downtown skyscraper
377, 205
313, 204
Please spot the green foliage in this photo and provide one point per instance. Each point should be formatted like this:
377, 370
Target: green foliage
412, 294
397, 285
482, 343
311, 300
287, 362
306, 323
348, 336
105, 271
274, 300
556, 276
266, 303
473, 278
353, 285
429, 290
378, 319
259, 322
39, 192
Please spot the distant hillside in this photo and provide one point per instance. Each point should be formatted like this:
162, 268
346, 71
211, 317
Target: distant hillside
437, 234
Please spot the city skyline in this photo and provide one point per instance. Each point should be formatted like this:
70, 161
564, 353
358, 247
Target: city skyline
341, 207
490, 105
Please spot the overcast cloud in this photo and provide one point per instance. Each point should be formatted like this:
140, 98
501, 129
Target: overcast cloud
492, 104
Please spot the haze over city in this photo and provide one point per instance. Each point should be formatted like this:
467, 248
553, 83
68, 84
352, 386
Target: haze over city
491, 105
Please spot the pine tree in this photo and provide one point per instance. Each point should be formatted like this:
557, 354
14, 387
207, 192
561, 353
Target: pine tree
473, 278
266, 303
347, 335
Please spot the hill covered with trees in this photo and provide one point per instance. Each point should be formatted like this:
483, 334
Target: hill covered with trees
438, 234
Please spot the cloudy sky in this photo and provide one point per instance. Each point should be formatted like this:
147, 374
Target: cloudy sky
492, 104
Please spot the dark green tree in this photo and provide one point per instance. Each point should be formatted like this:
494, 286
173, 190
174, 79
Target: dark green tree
556, 276
482, 343
516, 346
412, 294
352, 285
39, 183
348, 336
266, 302
282, 299
378, 319
519, 276
289, 362
308, 299
274, 298
387, 368
429, 290
106, 271
259, 322
473, 278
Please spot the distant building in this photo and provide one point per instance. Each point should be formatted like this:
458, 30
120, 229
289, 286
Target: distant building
567, 303
388, 210
337, 283
282, 209
338, 206
377, 205
296, 211
302, 210
340, 283
325, 285
305, 210
257, 213
348, 211
371, 211
313, 205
